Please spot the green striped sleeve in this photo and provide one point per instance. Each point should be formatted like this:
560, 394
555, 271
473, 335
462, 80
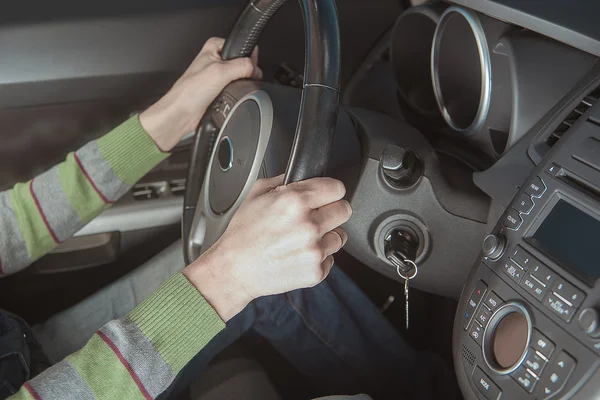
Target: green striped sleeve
38, 215
134, 357
177, 321
130, 152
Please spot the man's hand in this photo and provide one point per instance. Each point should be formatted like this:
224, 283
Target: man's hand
282, 238
180, 110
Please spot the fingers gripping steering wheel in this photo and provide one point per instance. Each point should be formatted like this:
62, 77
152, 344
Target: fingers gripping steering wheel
215, 184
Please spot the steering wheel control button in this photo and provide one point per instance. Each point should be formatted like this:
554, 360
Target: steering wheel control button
542, 273
536, 187
522, 258
484, 314
525, 378
512, 220
401, 167
493, 301
476, 332
535, 362
556, 375
533, 287
568, 292
589, 322
542, 344
474, 301
513, 271
485, 385
493, 246
506, 338
524, 204
225, 154
559, 306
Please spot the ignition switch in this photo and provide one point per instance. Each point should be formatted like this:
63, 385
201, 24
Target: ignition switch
401, 245
401, 167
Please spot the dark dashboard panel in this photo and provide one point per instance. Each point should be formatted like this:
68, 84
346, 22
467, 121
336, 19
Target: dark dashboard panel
573, 23
529, 263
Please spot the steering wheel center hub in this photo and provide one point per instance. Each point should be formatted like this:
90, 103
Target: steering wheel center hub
234, 156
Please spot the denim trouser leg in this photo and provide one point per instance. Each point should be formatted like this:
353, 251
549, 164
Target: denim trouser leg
335, 335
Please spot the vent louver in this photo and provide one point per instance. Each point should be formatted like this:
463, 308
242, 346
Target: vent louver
587, 102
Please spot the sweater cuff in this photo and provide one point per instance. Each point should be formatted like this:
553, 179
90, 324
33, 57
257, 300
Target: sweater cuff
130, 151
178, 321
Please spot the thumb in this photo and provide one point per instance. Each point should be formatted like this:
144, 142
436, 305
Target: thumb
240, 68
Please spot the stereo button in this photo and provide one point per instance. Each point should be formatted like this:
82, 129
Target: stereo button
512, 220
536, 187
474, 301
476, 332
522, 258
524, 203
493, 301
533, 287
513, 271
485, 385
543, 273
568, 292
542, 344
556, 375
525, 378
559, 307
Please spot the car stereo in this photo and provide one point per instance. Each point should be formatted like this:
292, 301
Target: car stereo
528, 322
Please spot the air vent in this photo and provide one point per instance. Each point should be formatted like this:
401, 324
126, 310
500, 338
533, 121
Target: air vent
467, 355
587, 102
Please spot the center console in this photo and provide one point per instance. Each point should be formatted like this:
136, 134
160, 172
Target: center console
528, 322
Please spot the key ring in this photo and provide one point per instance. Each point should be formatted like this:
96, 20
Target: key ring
409, 262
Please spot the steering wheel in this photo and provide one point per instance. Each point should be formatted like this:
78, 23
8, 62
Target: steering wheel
227, 156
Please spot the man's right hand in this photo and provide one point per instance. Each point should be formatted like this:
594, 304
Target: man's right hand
282, 238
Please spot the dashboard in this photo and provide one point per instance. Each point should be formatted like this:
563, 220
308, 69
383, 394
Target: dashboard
520, 81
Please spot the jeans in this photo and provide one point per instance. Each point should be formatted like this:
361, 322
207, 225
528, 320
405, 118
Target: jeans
334, 335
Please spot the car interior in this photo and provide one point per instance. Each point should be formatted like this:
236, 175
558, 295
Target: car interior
466, 132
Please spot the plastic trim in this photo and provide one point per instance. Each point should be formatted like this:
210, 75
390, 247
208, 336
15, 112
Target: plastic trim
484, 59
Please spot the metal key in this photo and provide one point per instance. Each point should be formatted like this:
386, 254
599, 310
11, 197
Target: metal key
403, 267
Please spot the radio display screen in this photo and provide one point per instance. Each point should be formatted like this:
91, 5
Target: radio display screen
572, 237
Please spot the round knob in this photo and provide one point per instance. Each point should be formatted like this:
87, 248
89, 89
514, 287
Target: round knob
493, 246
506, 338
589, 322
401, 167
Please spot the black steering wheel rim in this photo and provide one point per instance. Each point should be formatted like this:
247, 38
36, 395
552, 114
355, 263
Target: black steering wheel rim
318, 109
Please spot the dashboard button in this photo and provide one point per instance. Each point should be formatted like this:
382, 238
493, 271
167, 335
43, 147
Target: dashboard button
525, 378
513, 271
552, 169
536, 187
542, 273
559, 307
476, 332
542, 344
484, 314
493, 301
568, 292
534, 362
533, 287
524, 203
474, 301
556, 375
522, 258
512, 220
485, 385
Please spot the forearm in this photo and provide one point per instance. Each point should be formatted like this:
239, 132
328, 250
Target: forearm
137, 356
36, 216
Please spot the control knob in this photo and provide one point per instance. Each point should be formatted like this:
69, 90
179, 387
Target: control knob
401, 167
493, 246
589, 322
